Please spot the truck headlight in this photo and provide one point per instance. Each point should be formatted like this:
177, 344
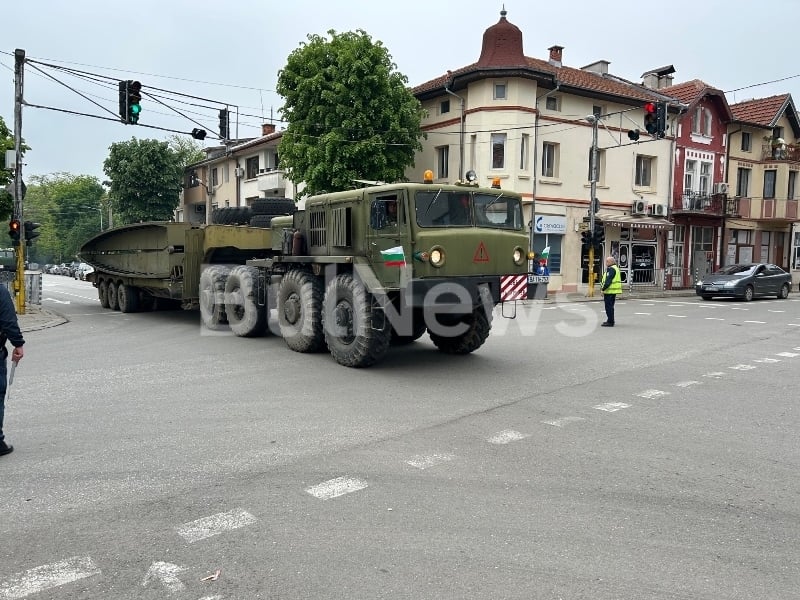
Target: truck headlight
437, 256
519, 256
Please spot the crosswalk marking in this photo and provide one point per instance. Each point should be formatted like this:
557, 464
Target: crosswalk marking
200, 529
612, 406
339, 486
507, 436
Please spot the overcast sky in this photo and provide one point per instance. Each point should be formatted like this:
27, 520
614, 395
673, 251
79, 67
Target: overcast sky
231, 52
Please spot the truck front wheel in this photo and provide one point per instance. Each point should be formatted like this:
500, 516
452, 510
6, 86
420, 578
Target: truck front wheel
300, 311
478, 325
245, 317
350, 330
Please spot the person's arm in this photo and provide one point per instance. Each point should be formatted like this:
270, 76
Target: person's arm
9, 324
609, 278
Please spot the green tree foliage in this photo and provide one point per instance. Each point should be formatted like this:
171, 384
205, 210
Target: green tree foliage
6, 143
187, 150
349, 113
68, 208
146, 178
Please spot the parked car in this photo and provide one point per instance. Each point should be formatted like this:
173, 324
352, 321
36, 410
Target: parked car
746, 281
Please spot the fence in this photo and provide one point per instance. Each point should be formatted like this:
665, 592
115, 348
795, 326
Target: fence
644, 279
33, 285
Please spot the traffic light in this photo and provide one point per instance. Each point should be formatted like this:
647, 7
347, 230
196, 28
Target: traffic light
30, 232
134, 101
199, 134
586, 240
650, 124
661, 119
223, 124
123, 101
599, 234
633, 135
14, 231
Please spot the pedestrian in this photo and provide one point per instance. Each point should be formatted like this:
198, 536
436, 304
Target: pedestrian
9, 330
611, 285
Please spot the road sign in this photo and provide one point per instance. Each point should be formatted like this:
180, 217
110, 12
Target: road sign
583, 226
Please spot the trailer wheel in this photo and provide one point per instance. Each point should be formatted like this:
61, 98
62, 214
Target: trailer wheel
212, 297
349, 327
300, 311
102, 293
245, 317
111, 294
127, 298
478, 323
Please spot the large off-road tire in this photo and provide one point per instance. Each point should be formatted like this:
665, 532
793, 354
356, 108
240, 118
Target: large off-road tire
273, 206
300, 311
260, 221
478, 323
354, 336
102, 293
212, 297
111, 294
127, 298
247, 316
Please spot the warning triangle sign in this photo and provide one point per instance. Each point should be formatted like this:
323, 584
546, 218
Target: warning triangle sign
481, 254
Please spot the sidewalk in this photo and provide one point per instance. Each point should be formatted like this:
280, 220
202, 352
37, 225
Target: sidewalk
36, 318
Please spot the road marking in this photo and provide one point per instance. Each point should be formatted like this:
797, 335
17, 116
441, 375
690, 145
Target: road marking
643, 313
796, 348
507, 436
787, 354
714, 375
675, 305
57, 301
194, 531
775, 311
612, 406
49, 576
165, 573
793, 324
685, 384
423, 462
677, 316
646, 304
756, 322
738, 308
652, 394
743, 367
714, 319
767, 360
563, 421
333, 488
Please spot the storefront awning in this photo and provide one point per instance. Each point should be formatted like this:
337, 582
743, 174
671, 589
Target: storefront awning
642, 222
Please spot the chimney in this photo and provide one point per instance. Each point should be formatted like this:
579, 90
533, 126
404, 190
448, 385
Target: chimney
267, 128
600, 67
555, 55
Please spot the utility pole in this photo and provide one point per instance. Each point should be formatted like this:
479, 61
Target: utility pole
19, 281
594, 120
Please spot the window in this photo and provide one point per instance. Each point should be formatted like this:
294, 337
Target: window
706, 122
443, 161
689, 175
769, 183
696, 118
549, 158
499, 91
524, 150
644, 170
542, 241
705, 179
552, 103
597, 110
747, 141
498, 150
777, 132
790, 192
251, 167
444, 107
214, 177
743, 183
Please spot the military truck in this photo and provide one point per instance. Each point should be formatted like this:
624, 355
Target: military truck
353, 272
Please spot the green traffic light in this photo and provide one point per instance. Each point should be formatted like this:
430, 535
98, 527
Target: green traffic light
136, 109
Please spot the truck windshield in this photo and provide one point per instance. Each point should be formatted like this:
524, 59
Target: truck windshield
455, 208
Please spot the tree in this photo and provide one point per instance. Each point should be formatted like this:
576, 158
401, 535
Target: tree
349, 113
146, 180
187, 150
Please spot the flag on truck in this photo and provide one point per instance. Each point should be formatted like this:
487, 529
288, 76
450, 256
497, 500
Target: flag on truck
394, 257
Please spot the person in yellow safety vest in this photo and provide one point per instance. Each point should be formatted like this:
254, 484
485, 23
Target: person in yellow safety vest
611, 285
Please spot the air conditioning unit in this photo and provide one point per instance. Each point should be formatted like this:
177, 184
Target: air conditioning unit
239, 171
639, 207
659, 210
721, 187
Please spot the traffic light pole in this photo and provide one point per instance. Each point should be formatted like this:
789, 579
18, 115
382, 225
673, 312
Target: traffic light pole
19, 280
594, 120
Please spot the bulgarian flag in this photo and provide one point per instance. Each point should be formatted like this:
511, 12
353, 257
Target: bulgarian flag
394, 257
545, 253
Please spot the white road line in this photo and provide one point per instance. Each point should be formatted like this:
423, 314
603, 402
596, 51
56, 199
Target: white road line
423, 462
49, 576
685, 384
612, 406
675, 305
563, 421
165, 573
714, 375
796, 348
756, 322
646, 304
793, 324
507, 436
643, 313
333, 488
787, 354
652, 394
767, 360
775, 311
677, 316
714, 319
743, 367
738, 308
194, 531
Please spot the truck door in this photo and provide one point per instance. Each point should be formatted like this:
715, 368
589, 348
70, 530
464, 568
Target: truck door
388, 245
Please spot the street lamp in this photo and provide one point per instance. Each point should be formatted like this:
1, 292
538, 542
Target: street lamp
98, 209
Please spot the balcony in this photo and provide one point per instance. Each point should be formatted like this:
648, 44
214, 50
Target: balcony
703, 204
787, 152
768, 209
273, 182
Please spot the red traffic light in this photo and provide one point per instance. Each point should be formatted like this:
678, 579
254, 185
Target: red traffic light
650, 108
14, 230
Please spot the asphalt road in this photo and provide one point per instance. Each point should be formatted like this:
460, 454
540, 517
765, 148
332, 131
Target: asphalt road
657, 459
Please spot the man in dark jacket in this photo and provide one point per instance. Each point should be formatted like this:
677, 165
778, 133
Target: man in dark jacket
9, 330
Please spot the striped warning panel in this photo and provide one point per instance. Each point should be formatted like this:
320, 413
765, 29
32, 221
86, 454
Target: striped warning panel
513, 287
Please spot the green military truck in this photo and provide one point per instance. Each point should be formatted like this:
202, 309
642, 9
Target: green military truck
352, 273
